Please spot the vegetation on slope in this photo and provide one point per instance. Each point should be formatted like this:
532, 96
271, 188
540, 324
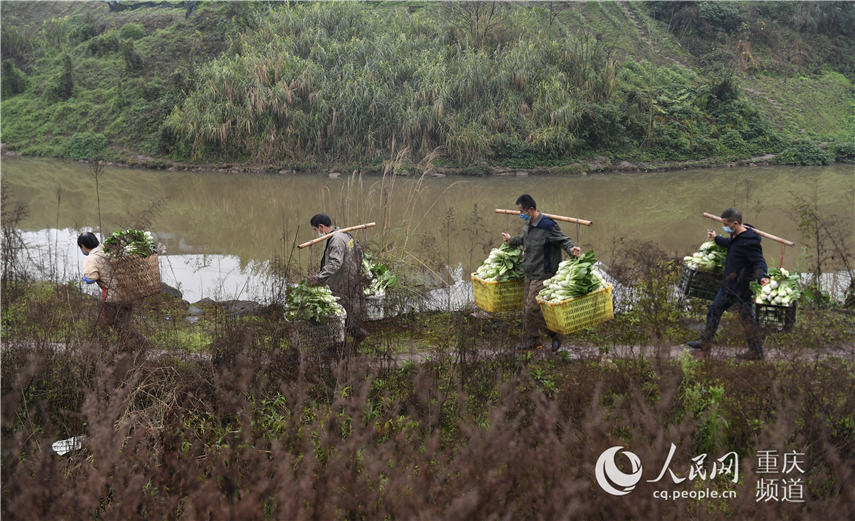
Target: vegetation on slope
513, 84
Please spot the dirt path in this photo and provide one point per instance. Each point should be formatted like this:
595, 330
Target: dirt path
629, 352
571, 352
778, 108
566, 352
645, 36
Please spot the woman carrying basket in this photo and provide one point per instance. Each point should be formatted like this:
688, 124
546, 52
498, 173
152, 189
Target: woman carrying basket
97, 270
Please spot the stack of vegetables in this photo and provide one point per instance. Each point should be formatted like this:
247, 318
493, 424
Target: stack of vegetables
575, 278
130, 242
315, 303
380, 276
504, 263
709, 257
782, 290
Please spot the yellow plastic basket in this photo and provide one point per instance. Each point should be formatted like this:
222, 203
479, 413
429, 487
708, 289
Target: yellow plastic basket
578, 313
494, 297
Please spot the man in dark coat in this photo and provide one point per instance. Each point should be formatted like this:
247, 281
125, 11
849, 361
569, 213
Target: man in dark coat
744, 263
341, 270
543, 241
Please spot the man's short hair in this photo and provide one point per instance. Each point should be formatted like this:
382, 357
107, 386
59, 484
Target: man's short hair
88, 240
526, 201
319, 219
732, 214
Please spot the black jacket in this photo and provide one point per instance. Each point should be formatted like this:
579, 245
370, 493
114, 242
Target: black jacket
543, 241
744, 261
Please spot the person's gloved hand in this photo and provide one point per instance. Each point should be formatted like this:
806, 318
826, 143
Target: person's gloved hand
312, 280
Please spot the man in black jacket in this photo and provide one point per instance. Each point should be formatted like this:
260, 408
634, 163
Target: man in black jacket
743, 264
543, 241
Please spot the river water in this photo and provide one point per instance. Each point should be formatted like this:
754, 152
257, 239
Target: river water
221, 231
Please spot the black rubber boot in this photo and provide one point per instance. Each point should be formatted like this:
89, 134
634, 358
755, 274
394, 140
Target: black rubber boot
556, 342
699, 345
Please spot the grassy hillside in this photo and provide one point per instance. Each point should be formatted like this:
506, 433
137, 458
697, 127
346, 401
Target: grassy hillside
459, 84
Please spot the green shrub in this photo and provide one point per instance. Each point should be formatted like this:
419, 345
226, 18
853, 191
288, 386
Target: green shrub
16, 43
554, 142
63, 86
732, 139
86, 145
844, 151
803, 152
133, 61
12, 79
721, 15
132, 31
104, 44
513, 151
81, 33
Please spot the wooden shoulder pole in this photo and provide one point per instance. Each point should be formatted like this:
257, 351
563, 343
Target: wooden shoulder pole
327, 236
758, 232
551, 216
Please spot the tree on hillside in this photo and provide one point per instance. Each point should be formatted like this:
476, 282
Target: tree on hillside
65, 82
475, 20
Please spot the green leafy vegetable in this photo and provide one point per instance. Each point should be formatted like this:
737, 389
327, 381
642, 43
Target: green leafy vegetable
315, 303
575, 278
130, 242
709, 257
503, 263
379, 274
782, 290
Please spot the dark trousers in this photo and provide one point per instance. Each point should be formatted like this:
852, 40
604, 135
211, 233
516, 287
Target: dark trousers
724, 299
533, 320
114, 315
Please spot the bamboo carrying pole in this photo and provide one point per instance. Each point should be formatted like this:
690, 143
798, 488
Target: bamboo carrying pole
327, 236
551, 216
759, 232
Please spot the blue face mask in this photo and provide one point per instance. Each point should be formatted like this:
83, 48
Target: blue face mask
85, 253
727, 229
524, 217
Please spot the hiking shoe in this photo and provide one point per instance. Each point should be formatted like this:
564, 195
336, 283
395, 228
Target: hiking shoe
698, 345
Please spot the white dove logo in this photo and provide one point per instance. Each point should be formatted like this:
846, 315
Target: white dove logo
608, 473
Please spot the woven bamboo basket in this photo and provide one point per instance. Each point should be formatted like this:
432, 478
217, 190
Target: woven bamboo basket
136, 277
305, 334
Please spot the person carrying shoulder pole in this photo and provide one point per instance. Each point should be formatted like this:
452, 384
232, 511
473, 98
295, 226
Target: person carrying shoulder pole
543, 241
341, 270
744, 263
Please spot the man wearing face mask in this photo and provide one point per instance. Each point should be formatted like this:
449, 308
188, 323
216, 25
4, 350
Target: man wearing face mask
743, 264
543, 242
341, 270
